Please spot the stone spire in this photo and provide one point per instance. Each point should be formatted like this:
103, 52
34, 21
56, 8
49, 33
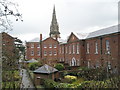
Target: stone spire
54, 28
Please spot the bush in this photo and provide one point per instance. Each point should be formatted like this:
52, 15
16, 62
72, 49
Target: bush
63, 85
70, 79
110, 83
78, 81
59, 66
92, 74
49, 83
33, 66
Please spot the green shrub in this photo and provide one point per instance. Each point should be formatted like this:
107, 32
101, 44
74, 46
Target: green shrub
59, 66
33, 66
78, 81
49, 83
110, 83
16, 76
63, 85
70, 79
92, 74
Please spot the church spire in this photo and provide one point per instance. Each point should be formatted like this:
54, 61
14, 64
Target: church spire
54, 28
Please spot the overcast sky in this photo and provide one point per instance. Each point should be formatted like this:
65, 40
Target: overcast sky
81, 16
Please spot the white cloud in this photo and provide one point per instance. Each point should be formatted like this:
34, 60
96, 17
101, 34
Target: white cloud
72, 16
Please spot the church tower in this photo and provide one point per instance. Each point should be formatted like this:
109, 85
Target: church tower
54, 28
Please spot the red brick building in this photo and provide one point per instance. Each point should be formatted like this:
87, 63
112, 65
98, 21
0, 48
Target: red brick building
98, 49
49, 51
32, 50
8, 44
72, 52
102, 48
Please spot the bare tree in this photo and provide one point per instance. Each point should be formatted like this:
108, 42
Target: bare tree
7, 9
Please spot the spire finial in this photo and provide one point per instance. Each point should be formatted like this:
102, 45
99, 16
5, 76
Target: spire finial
54, 9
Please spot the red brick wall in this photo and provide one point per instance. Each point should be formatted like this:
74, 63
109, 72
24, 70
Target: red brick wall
49, 59
71, 54
37, 77
29, 49
8, 45
92, 57
102, 57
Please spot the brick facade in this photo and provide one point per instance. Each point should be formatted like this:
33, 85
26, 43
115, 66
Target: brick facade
32, 50
49, 51
8, 44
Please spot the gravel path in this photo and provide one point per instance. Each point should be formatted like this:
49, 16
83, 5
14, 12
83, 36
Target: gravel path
26, 82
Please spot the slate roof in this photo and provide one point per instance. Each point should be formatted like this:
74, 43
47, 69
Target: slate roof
62, 40
45, 69
105, 31
81, 35
37, 39
31, 61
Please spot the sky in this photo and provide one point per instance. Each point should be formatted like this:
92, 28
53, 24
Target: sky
80, 16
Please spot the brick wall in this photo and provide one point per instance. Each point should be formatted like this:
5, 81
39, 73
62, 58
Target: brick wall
49, 52
32, 50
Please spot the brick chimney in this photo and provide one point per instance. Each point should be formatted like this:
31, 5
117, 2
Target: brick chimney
40, 37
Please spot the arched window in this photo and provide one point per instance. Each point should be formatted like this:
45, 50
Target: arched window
74, 62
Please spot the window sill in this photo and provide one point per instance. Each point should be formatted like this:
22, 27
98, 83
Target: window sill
96, 53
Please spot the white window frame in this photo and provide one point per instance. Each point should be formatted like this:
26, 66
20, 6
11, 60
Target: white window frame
62, 49
96, 48
55, 53
45, 53
50, 45
69, 49
38, 53
77, 48
88, 48
55, 46
107, 46
73, 47
50, 53
32, 53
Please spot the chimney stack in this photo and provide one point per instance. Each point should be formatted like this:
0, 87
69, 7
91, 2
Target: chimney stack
40, 37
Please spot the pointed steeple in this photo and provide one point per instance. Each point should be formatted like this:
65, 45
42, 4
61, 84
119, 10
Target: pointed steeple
54, 28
